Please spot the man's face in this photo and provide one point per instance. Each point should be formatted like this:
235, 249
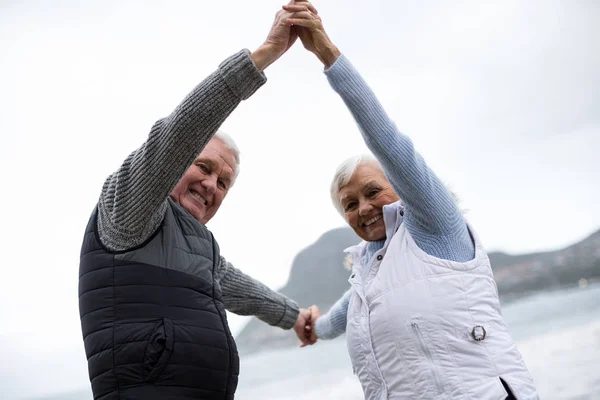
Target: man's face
204, 186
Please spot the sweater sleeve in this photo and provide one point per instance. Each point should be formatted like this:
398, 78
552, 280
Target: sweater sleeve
333, 324
431, 214
133, 200
244, 295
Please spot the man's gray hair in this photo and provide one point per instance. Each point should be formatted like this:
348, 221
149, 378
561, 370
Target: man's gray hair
344, 173
230, 144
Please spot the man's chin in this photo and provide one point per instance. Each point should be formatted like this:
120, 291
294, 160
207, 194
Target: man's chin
194, 210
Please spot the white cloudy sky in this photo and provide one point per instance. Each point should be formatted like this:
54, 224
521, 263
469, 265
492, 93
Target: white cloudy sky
502, 98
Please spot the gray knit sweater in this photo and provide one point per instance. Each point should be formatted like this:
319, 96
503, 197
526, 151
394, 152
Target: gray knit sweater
133, 200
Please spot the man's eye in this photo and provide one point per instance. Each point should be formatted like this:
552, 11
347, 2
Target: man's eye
204, 168
221, 185
373, 192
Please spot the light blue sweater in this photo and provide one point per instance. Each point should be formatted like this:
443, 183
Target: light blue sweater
430, 213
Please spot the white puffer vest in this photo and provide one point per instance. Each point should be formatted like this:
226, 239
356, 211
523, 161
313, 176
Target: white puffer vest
420, 327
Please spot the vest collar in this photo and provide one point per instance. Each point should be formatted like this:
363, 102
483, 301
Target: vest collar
392, 219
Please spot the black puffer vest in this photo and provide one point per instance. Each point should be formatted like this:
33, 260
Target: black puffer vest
153, 322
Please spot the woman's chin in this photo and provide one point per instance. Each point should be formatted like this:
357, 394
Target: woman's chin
372, 236
378, 237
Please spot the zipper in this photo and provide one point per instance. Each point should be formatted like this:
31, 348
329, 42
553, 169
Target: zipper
370, 273
229, 338
428, 355
357, 283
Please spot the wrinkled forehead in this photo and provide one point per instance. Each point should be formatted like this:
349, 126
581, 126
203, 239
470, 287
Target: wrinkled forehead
365, 178
366, 174
220, 156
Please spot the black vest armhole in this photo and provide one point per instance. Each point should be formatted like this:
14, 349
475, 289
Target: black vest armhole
139, 246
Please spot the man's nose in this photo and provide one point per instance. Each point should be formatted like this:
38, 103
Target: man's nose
210, 183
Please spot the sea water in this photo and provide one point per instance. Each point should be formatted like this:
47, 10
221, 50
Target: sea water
558, 334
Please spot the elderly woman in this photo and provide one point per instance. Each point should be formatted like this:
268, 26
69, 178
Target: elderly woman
422, 317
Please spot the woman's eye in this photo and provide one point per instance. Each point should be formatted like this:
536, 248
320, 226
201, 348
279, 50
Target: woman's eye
350, 206
373, 192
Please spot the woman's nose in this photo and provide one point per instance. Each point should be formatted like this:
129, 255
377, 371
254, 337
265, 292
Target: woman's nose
364, 208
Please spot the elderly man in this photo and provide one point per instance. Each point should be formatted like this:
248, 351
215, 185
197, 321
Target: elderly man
153, 287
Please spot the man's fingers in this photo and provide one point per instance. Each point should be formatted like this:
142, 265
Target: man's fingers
305, 23
306, 313
302, 14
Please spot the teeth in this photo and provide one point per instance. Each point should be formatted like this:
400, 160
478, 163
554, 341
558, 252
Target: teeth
197, 195
373, 220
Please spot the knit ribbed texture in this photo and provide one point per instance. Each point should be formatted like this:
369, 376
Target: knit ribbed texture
333, 324
431, 215
245, 296
132, 204
372, 248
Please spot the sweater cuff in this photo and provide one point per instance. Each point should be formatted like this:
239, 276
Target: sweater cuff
241, 75
340, 71
290, 315
323, 327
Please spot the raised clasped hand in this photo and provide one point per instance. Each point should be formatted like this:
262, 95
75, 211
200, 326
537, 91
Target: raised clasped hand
309, 28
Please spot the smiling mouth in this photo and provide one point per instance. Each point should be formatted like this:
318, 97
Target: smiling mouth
198, 196
372, 221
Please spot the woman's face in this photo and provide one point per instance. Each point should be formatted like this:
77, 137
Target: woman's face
362, 200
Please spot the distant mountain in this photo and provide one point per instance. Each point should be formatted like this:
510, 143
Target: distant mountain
522, 274
319, 277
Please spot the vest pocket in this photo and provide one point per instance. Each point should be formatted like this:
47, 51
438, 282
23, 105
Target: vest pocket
158, 351
427, 353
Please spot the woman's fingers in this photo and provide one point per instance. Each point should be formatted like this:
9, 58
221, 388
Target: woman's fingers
308, 5
296, 8
305, 4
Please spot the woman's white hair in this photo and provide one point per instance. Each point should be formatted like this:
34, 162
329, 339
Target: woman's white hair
344, 173
230, 144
